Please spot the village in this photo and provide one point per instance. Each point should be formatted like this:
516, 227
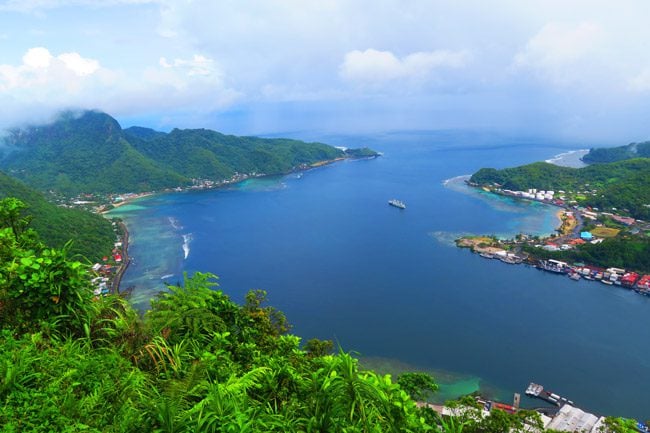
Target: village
579, 226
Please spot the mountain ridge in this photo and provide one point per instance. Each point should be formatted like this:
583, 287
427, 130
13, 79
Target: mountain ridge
88, 151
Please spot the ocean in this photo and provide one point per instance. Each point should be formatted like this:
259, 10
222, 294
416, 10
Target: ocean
390, 285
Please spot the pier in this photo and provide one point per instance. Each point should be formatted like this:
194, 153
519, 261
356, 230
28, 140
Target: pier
537, 391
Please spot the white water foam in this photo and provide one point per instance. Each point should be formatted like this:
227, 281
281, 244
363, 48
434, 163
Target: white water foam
569, 159
457, 179
176, 224
187, 238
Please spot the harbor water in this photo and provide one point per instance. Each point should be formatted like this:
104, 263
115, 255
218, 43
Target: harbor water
389, 283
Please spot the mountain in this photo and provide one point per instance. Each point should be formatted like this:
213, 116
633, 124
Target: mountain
90, 152
92, 235
202, 153
620, 153
85, 152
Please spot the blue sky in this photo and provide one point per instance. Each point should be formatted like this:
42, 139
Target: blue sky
578, 70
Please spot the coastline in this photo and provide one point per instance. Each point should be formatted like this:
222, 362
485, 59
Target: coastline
126, 261
540, 252
133, 197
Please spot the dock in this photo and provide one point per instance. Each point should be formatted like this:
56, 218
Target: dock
537, 391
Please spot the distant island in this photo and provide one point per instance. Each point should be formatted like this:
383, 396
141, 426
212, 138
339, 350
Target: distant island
605, 206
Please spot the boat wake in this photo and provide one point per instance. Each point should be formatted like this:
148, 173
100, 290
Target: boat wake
187, 239
176, 224
164, 277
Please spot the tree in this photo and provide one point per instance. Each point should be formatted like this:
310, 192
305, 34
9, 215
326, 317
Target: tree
417, 385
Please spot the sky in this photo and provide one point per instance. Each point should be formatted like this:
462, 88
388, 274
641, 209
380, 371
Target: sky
577, 70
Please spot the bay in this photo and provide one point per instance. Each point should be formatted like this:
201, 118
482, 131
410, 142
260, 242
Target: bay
389, 284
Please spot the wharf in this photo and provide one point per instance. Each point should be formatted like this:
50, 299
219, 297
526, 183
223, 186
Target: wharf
537, 391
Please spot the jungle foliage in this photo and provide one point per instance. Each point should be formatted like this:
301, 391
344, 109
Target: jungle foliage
620, 153
92, 235
624, 185
196, 361
89, 152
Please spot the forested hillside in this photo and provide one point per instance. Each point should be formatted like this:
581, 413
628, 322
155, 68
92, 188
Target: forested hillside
91, 234
620, 153
622, 185
89, 152
82, 153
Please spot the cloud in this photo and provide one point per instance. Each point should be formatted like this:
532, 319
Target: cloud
29, 6
43, 74
44, 83
197, 65
373, 67
560, 52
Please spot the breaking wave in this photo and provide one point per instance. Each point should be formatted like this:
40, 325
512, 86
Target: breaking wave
176, 224
187, 239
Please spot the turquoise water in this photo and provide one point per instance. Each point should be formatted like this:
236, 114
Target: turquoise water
389, 284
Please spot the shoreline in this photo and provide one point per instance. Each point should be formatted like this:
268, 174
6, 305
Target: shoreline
130, 198
126, 261
514, 250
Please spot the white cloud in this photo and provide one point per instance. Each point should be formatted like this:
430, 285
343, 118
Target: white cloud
197, 65
38, 57
375, 67
561, 52
46, 83
78, 64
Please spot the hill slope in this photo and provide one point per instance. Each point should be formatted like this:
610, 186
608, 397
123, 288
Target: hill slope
90, 152
620, 153
82, 153
91, 234
622, 185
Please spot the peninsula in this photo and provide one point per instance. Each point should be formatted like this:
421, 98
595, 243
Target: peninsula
603, 207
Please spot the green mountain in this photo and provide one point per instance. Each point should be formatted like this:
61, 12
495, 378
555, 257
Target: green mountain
620, 153
202, 153
90, 152
82, 153
91, 234
622, 185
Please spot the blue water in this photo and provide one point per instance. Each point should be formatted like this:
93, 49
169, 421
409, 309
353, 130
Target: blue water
389, 284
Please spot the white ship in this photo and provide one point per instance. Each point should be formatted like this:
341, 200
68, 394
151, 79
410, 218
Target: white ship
397, 203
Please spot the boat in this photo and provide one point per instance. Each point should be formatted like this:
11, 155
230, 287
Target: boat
397, 203
574, 276
553, 266
487, 255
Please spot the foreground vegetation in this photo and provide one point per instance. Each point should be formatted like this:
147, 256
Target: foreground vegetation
92, 235
196, 362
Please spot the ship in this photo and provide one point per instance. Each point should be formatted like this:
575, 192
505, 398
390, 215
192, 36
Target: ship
397, 203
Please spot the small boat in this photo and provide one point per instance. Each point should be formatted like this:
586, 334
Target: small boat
487, 255
397, 203
609, 283
574, 276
